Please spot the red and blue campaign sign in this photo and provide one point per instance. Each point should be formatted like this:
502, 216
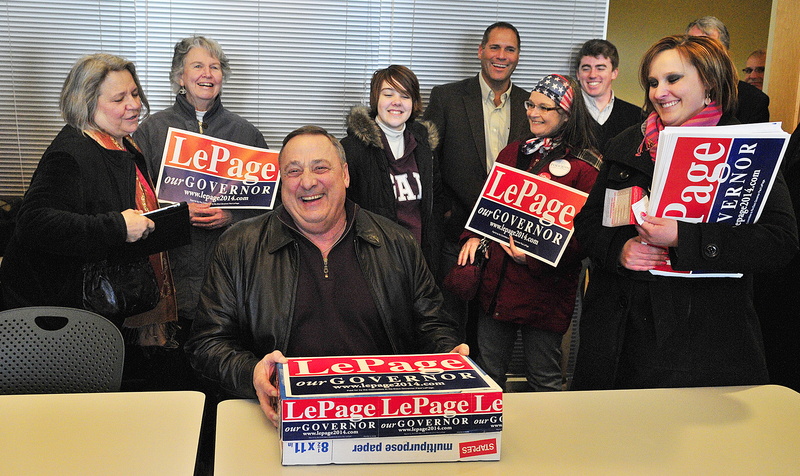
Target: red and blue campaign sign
536, 211
386, 396
719, 179
714, 175
202, 169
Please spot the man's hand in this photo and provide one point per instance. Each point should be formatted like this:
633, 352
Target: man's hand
264, 377
462, 349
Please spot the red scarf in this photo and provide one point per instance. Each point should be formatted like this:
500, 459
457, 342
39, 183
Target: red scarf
709, 116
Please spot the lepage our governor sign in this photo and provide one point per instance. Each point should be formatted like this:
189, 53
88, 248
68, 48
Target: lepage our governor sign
200, 169
536, 211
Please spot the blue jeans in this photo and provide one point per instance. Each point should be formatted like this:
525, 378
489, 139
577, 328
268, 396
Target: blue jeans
542, 352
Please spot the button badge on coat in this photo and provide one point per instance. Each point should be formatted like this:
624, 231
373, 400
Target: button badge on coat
560, 167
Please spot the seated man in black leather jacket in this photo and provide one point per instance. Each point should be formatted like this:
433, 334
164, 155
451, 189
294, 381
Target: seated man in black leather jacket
317, 276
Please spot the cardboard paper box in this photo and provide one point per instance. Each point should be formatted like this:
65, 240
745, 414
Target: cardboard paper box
388, 409
413, 449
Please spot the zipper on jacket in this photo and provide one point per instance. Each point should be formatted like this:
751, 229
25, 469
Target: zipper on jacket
325, 269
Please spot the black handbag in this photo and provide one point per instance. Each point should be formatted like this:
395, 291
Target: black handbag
119, 290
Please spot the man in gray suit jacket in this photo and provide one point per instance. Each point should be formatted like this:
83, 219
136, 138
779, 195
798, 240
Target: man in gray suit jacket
476, 118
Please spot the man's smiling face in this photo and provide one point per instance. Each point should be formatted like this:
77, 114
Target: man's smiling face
595, 75
314, 183
499, 57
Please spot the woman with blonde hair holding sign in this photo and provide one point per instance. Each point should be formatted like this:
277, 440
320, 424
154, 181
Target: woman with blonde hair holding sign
517, 291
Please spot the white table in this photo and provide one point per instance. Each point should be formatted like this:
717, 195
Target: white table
702, 431
137, 433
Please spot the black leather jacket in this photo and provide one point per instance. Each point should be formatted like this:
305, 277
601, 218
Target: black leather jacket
247, 301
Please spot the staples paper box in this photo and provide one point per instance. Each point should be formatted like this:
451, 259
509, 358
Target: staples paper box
398, 408
411, 449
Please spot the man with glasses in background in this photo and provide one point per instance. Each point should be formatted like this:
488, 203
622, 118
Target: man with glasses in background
754, 68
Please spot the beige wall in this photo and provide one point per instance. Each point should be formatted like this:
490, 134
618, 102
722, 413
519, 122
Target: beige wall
634, 25
783, 67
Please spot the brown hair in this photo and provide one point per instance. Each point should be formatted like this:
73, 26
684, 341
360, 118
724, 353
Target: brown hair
500, 24
402, 79
598, 47
711, 60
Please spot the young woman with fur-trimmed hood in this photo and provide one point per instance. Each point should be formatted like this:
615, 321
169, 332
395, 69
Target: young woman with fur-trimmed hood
393, 169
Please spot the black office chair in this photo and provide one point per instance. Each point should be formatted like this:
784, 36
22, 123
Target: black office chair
59, 350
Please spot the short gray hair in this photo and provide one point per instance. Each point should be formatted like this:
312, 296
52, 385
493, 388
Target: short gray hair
183, 47
78, 101
707, 24
315, 131
759, 53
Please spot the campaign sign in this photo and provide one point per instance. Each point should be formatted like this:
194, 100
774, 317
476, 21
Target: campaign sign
719, 180
715, 180
536, 211
200, 169
312, 377
387, 415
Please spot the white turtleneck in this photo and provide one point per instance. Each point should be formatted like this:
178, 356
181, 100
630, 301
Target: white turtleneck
394, 138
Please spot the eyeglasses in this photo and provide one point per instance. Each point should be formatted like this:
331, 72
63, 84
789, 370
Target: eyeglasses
529, 105
757, 69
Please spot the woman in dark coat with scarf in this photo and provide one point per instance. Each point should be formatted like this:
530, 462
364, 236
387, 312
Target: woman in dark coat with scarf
393, 170
639, 330
86, 200
521, 293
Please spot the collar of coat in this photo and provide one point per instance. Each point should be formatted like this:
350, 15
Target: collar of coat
279, 234
363, 127
590, 156
188, 110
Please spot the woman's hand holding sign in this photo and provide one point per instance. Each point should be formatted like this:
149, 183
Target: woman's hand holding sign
203, 215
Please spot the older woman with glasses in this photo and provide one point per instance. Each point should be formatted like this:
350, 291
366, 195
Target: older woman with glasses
639, 330
518, 292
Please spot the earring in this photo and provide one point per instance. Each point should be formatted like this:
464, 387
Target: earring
182, 90
707, 100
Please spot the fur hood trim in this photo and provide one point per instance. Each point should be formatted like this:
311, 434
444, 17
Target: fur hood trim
365, 129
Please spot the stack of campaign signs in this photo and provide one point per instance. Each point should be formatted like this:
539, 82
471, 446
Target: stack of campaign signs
720, 174
388, 409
